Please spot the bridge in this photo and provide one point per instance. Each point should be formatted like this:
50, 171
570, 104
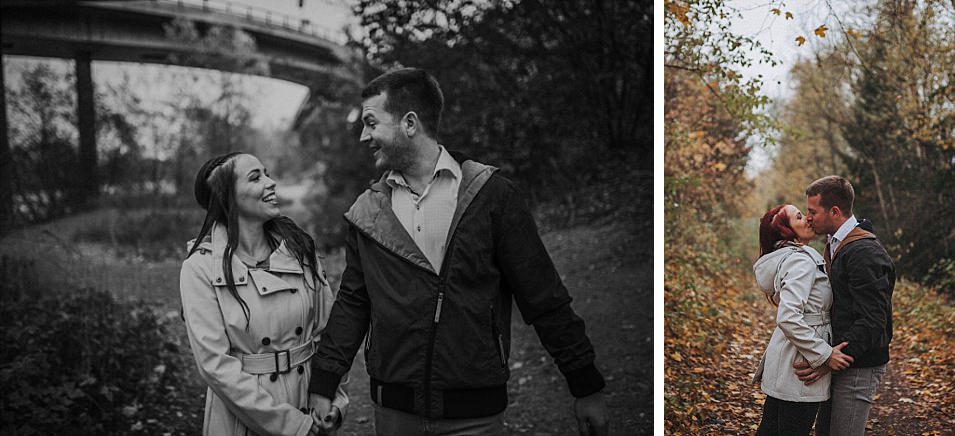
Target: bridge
286, 48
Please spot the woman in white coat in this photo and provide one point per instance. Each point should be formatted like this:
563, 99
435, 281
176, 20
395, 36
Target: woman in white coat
792, 276
255, 301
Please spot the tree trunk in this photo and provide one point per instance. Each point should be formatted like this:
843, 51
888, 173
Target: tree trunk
6, 163
878, 190
86, 120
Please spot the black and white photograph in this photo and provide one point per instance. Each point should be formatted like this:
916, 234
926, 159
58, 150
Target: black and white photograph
327, 217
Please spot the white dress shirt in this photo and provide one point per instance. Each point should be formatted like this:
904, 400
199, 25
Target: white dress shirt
841, 234
426, 216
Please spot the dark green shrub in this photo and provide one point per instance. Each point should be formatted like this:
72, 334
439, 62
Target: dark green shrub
82, 362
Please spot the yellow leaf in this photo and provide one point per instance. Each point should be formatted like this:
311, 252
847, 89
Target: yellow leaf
821, 31
789, 15
775, 11
680, 11
800, 40
852, 32
677, 357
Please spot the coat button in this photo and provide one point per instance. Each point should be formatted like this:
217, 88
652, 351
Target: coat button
241, 279
266, 341
298, 330
301, 369
274, 377
264, 289
294, 290
218, 279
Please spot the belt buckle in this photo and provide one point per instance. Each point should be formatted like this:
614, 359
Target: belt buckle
288, 362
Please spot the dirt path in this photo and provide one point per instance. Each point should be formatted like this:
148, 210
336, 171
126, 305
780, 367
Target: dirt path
908, 401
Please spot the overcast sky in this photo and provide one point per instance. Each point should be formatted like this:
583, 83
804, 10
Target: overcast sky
778, 35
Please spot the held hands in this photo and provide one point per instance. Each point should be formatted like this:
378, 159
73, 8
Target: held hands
839, 360
591, 414
809, 375
326, 419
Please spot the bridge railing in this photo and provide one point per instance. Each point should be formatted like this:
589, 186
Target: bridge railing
261, 16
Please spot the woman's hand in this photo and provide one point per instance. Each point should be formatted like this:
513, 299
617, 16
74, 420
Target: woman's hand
332, 421
839, 360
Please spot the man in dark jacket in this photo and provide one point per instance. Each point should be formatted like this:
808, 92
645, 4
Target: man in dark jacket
436, 251
863, 277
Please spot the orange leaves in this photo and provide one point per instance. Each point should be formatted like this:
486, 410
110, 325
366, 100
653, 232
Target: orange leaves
708, 382
819, 32
776, 11
680, 10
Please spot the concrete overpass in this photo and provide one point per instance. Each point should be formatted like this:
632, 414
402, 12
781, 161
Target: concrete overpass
286, 48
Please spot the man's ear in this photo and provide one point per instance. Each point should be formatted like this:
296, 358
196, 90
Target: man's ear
835, 211
410, 123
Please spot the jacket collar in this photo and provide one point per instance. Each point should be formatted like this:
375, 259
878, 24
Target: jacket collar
281, 260
373, 215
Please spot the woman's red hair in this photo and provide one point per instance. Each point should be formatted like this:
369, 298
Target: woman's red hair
774, 227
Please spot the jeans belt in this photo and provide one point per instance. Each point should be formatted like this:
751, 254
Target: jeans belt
278, 362
817, 318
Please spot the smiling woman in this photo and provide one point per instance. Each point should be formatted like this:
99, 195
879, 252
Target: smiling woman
253, 347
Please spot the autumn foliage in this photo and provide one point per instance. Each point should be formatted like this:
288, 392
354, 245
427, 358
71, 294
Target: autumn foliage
871, 109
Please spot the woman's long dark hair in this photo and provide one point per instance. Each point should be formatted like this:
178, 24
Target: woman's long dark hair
215, 192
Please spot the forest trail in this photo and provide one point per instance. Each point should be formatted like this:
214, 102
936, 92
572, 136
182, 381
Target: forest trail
914, 396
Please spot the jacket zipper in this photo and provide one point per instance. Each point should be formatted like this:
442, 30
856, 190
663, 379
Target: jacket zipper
498, 339
430, 357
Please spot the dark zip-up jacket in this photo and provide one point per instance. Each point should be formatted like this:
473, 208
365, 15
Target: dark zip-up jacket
444, 336
863, 278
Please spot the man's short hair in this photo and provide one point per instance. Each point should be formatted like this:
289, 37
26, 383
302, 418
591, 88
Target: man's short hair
410, 89
833, 191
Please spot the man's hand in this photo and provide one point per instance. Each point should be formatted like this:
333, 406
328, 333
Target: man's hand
591, 414
807, 374
325, 417
839, 360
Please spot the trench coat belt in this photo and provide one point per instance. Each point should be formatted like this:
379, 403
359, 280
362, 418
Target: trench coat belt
277, 362
817, 318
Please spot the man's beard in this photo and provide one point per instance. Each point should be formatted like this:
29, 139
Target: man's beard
399, 155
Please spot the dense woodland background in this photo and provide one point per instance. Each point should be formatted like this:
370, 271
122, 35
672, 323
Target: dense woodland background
874, 101
559, 96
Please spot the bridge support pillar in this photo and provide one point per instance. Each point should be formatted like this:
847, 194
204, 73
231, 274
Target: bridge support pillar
86, 124
6, 163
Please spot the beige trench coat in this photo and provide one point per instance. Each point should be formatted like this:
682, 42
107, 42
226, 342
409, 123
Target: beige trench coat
246, 396
794, 278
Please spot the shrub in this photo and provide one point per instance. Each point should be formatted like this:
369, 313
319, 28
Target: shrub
82, 362
151, 234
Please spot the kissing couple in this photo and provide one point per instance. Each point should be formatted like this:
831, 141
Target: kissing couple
830, 347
